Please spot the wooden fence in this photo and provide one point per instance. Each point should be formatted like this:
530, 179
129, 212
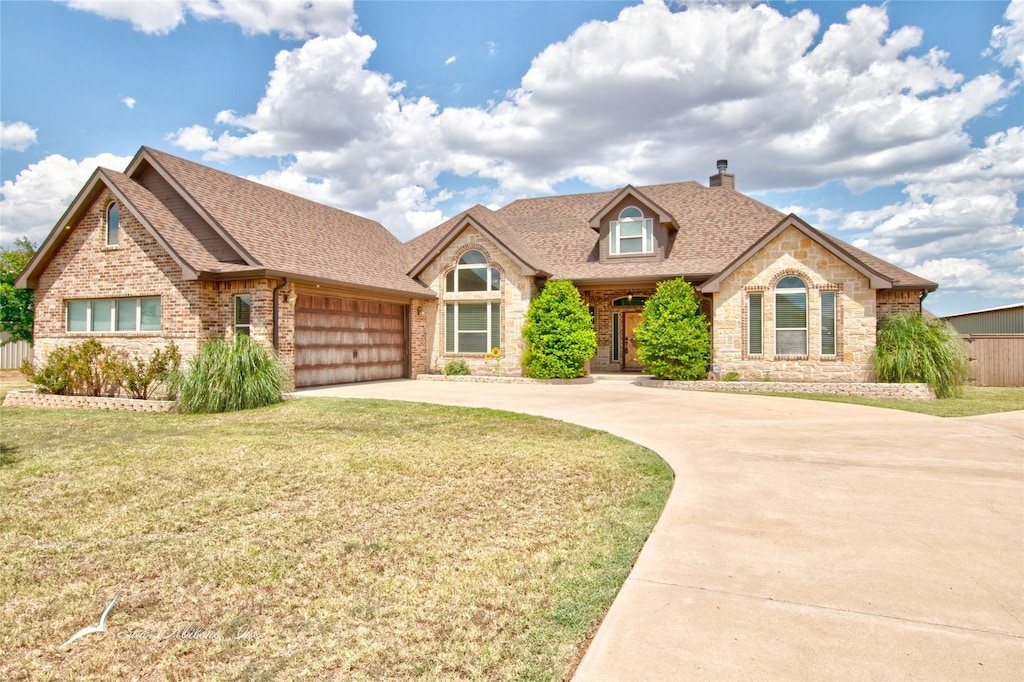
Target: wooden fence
12, 355
996, 359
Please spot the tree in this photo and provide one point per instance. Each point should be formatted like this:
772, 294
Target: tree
16, 305
559, 333
674, 338
910, 349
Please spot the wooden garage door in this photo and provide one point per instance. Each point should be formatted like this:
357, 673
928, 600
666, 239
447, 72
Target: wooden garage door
342, 340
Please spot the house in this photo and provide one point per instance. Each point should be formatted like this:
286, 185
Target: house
171, 249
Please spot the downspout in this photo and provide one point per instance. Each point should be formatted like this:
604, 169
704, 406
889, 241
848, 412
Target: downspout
920, 301
277, 333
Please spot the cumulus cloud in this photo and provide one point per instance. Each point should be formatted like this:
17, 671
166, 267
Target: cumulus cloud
17, 136
129, 102
1008, 39
450, 60
294, 19
32, 203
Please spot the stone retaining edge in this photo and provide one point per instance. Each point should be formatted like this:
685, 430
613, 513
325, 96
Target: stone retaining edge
863, 390
30, 398
483, 379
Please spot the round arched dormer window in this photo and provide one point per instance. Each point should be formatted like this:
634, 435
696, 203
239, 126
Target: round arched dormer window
631, 234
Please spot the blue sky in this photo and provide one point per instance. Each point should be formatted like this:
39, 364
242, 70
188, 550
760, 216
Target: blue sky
898, 127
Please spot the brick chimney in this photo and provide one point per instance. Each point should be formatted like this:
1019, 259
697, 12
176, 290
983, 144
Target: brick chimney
722, 179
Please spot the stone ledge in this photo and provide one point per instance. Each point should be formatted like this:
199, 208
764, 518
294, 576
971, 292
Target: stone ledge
482, 379
863, 390
30, 398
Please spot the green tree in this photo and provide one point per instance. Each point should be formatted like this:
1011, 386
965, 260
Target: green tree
559, 333
911, 350
16, 305
674, 338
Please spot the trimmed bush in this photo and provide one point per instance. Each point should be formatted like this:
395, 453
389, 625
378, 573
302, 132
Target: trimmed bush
674, 338
224, 377
456, 368
88, 369
911, 350
559, 333
140, 379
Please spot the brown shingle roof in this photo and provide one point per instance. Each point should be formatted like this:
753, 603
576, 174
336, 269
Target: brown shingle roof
286, 233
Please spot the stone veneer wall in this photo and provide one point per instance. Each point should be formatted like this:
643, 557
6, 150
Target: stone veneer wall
863, 390
32, 399
516, 292
793, 253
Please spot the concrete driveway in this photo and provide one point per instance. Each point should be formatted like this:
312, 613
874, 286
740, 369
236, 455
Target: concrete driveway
803, 540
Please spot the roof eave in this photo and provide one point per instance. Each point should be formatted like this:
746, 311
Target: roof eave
457, 228
266, 273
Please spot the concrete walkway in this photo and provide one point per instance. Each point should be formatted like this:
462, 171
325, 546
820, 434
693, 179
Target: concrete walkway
803, 540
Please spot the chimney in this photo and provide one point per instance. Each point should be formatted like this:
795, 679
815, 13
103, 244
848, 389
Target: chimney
723, 179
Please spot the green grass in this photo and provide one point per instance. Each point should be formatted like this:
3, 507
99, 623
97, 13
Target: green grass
340, 539
975, 400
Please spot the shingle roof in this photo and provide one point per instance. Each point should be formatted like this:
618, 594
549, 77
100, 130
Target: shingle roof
286, 233
716, 225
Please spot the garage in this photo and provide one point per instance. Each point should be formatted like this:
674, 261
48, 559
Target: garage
344, 340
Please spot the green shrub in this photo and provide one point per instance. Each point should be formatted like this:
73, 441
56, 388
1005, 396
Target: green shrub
456, 368
88, 369
559, 333
731, 376
224, 377
140, 378
911, 350
674, 338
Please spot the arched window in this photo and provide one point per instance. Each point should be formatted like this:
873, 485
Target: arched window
473, 273
791, 317
113, 224
472, 324
631, 233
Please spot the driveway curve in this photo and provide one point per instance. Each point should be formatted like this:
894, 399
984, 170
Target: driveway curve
802, 540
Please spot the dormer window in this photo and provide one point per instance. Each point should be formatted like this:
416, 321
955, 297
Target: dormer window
631, 233
113, 224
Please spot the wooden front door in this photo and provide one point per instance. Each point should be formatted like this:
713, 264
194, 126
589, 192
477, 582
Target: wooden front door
631, 320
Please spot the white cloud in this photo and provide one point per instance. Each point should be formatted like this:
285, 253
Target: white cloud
129, 102
450, 60
32, 203
195, 138
294, 19
17, 136
1008, 39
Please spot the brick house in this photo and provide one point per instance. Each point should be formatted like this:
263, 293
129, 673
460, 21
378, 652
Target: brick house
171, 249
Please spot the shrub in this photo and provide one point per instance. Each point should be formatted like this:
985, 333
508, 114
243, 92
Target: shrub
911, 350
456, 368
559, 333
141, 378
224, 377
673, 338
88, 369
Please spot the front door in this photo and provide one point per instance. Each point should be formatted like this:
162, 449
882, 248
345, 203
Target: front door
631, 320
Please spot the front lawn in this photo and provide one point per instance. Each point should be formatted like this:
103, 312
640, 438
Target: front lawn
317, 539
976, 400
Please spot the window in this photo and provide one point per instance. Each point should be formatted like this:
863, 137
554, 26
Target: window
472, 274
243, 310
791, 317
631, 233
472, 327
615, 337
114, 314
113, 224
755, 317
630, 301
828, 323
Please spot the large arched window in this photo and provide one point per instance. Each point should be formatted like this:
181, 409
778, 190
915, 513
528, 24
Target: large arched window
473, 273
791, 317
113, 224
473, 323
631, 233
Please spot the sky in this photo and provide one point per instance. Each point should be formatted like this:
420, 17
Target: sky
897, 127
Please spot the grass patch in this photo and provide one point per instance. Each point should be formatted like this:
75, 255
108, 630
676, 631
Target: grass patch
321, 539
974, 401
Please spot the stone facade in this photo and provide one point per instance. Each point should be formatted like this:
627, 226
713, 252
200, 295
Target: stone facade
792, 253
862, 390
516, 292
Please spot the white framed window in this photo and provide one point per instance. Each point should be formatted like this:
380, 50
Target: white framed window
755, 323
473, 273
243, 314
791, 317
472, 326
113, 224
631, 233
828, 323
114, 314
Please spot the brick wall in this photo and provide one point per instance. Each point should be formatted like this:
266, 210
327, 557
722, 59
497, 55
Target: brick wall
601, 300
891, 302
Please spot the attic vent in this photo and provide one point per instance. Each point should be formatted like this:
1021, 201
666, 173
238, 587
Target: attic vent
723, 165
723, 179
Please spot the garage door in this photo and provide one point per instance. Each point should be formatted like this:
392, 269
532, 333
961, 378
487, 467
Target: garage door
342, 340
